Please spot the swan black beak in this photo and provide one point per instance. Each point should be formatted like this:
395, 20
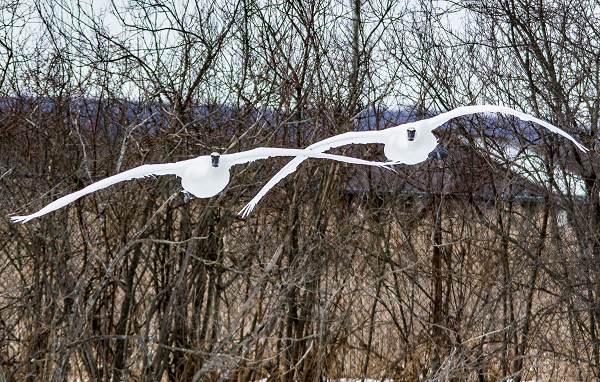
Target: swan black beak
439, 153
411, 133
215, 159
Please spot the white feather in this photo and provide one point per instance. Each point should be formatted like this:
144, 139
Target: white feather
198, 176
397, 147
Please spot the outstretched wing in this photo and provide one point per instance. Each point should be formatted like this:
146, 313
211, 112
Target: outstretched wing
440, 119
268, 152
137, 172
353, 137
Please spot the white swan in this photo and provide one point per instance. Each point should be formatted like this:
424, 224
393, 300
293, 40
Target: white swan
204, 176
410, 143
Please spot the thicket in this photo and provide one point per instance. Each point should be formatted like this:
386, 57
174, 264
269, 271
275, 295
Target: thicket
480, 267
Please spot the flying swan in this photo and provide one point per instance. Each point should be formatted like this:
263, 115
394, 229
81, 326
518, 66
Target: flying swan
409, 143
204, 176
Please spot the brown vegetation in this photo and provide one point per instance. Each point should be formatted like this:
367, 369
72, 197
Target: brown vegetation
456, 270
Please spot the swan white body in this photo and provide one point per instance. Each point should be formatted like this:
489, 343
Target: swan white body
398, 146
199, 176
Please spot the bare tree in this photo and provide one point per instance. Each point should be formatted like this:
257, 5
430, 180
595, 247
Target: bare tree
480, 267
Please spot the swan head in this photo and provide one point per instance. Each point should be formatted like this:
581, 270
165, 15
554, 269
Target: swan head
203, 179
215, 159
409, 145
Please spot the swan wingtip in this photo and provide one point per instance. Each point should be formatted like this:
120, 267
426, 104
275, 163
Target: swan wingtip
20, 219
245, 212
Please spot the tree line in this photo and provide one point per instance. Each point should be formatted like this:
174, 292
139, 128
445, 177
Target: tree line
479, 267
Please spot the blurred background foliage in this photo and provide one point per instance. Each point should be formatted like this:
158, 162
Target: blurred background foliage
482, 267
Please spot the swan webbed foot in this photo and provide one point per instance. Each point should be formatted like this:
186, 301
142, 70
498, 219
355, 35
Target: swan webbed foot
439, 153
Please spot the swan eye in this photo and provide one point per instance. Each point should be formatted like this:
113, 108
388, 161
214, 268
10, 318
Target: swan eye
215, 159
412, 133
